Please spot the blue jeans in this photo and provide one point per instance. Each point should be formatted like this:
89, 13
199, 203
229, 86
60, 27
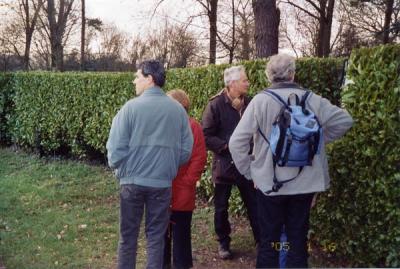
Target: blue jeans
134, 200
292, 212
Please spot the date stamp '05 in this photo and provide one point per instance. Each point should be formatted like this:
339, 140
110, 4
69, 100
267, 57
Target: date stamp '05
285, 246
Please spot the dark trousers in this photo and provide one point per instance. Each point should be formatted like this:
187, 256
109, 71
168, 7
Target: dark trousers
293, 211
222, 193
180, 234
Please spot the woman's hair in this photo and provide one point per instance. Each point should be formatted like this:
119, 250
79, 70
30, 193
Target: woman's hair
180, 96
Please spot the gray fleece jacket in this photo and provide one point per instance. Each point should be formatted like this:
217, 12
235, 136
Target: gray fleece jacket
261, 113
150, 138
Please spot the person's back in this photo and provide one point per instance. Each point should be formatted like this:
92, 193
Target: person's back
289, 203
154, 153
149, 138
334, 121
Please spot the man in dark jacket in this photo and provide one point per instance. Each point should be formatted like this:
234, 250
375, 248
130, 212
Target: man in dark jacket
220, 118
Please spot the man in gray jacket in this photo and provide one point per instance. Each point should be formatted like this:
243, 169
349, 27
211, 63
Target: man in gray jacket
150, 138
290, 206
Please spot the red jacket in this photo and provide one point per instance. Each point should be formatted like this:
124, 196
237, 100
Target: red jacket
184, 184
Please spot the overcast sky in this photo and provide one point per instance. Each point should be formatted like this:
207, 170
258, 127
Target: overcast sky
134, 16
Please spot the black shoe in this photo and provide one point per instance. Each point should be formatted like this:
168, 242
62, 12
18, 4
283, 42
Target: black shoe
224, 253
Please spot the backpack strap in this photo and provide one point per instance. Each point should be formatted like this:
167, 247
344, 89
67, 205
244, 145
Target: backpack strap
279, 183
304, 99
263, 135
276, 97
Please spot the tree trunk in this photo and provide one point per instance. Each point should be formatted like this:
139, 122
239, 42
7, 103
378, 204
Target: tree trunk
59, 55
267, 18
246, 43
233, 45
83, 36
28, 36
325, 28
231, 54
28, 42
52, 26
212, 16
30, 25
57, 31
388, 16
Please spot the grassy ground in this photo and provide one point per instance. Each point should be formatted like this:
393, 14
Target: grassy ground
64, 214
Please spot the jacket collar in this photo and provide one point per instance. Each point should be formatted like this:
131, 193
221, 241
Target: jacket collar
284, 85
229, 101
153, 91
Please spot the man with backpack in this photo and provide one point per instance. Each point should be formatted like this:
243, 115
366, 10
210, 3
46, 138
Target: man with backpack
290, 127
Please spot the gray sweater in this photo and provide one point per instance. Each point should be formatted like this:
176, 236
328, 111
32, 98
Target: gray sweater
261, 112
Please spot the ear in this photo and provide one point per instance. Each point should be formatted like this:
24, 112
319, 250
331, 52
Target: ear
149, 78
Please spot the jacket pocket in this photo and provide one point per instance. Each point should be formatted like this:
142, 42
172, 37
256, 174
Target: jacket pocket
225, 169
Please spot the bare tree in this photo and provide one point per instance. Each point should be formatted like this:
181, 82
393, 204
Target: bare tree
29, 25
321, 11
83, 29
245, 29
183, 49
112, 41
227, 33
26, 18
267, 18
57, 22
211, 8
377, 21
136, 51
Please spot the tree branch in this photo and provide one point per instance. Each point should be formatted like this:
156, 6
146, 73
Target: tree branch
315, 6
302, 9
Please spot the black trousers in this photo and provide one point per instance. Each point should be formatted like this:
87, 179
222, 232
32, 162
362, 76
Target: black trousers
179, 233
222, 193
293, 211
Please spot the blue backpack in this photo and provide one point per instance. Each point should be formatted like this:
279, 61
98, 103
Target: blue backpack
295, 138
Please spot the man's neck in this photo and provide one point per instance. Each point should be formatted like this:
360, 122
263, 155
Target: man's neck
232, 94
150, 87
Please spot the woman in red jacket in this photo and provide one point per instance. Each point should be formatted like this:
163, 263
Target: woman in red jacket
184, 195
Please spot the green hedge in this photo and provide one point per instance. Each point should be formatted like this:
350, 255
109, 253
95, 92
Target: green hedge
6, 106
67, 112
360, 215
72, 112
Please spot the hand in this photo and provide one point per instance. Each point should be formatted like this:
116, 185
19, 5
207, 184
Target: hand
255, 186
314, 200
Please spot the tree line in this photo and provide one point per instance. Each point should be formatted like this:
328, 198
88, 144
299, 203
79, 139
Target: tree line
57, 34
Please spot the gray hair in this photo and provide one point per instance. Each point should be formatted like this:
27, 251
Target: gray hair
280, 68
232, 74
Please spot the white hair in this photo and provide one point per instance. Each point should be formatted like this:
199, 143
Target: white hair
232, 74
280, 68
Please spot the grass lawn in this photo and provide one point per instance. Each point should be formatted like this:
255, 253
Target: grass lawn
64, 214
